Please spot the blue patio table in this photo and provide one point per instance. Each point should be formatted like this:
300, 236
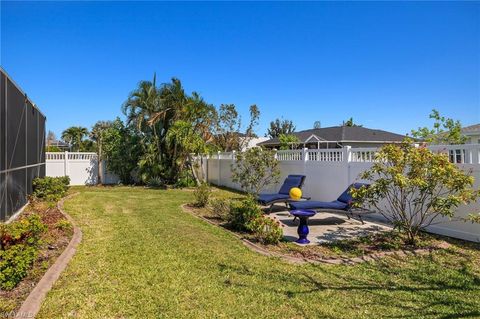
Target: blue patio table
302, 229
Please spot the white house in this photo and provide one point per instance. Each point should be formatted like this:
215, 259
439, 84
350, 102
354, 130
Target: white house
472, 133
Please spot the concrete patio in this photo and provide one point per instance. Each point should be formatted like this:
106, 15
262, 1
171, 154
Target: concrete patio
328, 227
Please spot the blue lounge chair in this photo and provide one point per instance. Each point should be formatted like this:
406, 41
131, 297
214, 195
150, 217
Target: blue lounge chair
283, 194
342, 204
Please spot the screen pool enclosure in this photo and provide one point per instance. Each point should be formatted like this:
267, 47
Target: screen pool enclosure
22, 146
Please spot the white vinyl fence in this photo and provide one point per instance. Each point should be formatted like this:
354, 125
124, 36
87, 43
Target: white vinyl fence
330, 171
82, 168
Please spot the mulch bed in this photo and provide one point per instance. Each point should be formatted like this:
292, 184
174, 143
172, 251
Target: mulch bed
54, 241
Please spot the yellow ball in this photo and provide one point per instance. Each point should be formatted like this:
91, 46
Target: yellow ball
296, 193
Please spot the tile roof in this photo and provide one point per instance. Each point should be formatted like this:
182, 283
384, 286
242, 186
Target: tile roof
471, 129
343, 134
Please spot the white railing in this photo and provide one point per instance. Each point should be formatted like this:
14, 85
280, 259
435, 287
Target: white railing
290, 155
459, 154
54, 156
330, 171
325, 155
79, 156
82, 156
363, 154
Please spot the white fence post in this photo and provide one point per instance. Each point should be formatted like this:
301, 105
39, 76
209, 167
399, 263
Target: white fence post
219, 168
305, 154
66, 171
475, 153
347, 154
207, 158
305, 159
347, 158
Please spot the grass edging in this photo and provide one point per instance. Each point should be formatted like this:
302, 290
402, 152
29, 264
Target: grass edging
32, 304
296, 260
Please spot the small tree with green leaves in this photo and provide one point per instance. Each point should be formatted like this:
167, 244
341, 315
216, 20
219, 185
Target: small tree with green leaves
288, 141
414, 187
279, 127
444, 131
255, 169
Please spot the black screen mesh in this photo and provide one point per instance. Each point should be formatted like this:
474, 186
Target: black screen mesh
22, 146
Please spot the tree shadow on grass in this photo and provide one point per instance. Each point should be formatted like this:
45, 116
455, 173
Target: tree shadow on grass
426, 287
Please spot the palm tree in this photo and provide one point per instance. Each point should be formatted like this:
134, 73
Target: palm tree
74, 136
187, 121
155, 110
139, 109
96, 135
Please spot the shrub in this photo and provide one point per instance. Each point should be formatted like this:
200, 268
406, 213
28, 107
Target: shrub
202, 195
63, 225
220, 208
267, 230
185, 179
50, 188
19, 245
27, 230
155, 182
255, 169
14, 264
242, 214
412, 187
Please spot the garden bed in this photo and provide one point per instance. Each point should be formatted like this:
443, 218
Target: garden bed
52, 243
358, 249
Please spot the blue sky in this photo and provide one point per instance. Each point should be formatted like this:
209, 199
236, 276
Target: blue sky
386, 64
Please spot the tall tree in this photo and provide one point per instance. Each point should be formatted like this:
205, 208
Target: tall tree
74, 136
173, 124
186, 123
154, 111
228, 129
279, 126
97, 135
141, 109
444, 131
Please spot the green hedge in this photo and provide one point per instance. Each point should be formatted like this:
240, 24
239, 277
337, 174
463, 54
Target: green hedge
50, 188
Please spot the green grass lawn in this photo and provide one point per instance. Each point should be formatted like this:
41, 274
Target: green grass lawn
143, 257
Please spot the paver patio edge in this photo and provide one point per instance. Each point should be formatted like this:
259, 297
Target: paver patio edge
32, 304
